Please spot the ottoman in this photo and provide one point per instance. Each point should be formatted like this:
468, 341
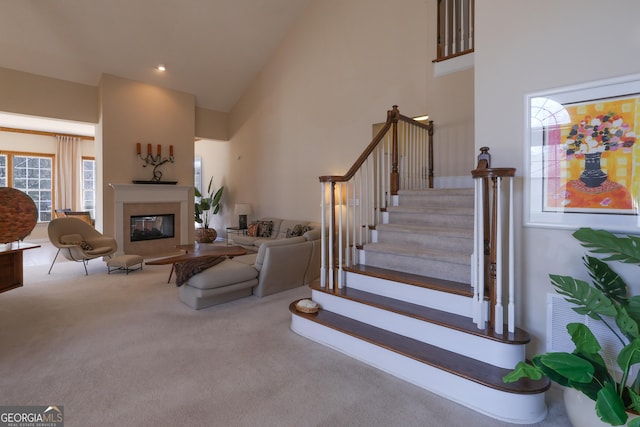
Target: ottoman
124, 262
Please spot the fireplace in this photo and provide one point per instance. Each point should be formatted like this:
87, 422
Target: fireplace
151, 227
136, 205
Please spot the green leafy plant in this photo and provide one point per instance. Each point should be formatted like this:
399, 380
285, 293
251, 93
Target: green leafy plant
207, 206
607, 300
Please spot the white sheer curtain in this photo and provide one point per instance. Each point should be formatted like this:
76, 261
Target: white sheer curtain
68, 173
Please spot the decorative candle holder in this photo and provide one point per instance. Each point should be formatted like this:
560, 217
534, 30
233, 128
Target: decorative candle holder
155, 161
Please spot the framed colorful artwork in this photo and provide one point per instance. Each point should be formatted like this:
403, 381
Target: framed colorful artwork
583, 165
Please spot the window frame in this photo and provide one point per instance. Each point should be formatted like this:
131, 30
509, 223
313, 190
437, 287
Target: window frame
10, 175
84, 205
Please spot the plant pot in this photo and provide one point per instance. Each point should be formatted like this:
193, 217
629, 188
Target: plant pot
205, 235
582, 411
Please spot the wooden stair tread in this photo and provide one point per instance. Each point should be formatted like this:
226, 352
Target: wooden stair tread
442, 285
431, 315
465, 367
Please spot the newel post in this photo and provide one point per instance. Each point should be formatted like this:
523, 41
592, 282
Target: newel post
395, 176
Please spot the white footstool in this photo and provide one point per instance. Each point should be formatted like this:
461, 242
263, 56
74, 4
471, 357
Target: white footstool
124, 262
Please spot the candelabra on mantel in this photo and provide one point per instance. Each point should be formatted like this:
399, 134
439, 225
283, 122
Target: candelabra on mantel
155, 161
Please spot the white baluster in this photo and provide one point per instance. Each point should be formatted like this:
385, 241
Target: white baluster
499, 313
511, 307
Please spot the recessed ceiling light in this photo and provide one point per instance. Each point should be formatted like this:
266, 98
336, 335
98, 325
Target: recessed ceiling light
161, 67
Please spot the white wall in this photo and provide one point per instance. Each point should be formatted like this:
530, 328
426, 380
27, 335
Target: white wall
523, 47
310, 110
214, 164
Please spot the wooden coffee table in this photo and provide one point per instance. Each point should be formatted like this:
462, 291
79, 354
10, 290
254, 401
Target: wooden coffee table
198, 250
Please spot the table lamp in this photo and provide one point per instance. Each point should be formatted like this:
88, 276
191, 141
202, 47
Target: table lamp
242, 210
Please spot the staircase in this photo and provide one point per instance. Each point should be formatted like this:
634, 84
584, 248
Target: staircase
406, 307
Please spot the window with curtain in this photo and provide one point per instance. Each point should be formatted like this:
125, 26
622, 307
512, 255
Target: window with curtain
3, 170
32, 174
89, 185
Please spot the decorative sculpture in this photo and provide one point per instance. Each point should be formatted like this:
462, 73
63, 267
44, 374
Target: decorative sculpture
155, 161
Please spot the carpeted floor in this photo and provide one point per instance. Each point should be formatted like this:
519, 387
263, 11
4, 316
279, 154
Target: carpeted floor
122, 350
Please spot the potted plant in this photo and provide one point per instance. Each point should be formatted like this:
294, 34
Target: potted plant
204, 208
607, 300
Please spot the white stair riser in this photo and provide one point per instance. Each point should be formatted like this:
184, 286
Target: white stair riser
456, 304
425, 241
489, 351
501, 405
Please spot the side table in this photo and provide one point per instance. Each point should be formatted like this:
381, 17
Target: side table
11, 264
237, 231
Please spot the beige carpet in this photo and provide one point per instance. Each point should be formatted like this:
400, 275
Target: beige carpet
118, 350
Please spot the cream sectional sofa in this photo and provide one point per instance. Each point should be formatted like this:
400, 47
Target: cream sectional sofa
279, 231
278, 263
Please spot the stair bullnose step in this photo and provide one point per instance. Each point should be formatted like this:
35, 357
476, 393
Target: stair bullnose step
431, 315
462, 366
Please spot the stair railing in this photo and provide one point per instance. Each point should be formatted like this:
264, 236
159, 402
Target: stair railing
400, 156
492, 264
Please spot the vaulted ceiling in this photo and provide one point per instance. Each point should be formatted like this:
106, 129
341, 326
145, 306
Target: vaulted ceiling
211, 48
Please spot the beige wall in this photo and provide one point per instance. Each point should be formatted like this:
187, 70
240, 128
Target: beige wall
310, 110
132, 112
43, 96
522, 47
212, 124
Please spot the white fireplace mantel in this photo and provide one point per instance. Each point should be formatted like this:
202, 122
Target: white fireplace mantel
150, 193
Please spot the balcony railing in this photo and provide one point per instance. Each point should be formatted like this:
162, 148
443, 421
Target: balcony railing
455, 28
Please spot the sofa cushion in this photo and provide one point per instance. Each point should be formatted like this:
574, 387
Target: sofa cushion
244, 240
295, 231
313, 234
278, 242
289, 224
226, 273
249, 259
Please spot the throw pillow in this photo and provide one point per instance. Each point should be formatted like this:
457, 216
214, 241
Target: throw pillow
75, 239
252, 229
296, 231
265, 229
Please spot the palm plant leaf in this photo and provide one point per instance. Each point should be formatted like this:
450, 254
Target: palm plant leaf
589, 300
624, 249
607, 280
633, 308
610, 407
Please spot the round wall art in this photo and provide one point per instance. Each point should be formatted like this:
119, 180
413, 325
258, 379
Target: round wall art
18, 215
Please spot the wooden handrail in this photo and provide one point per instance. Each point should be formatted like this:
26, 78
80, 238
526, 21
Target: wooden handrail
392, 117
